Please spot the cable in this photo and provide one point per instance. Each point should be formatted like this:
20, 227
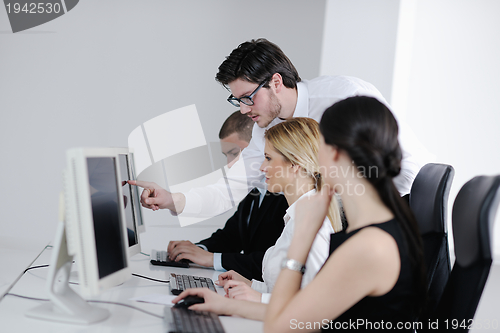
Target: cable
141, 276
32, 298
41, 266
145, 254
148, 278
91, 301
33, 267
130, 306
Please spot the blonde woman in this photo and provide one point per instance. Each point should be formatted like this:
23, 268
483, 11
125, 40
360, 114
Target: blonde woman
291, 167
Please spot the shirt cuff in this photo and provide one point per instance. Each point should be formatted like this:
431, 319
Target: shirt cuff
202, 246
193, 204
218, 262
259, 286
266, 297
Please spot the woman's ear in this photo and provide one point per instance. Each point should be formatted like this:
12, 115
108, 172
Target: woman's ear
335, 153
331, 153
295, 168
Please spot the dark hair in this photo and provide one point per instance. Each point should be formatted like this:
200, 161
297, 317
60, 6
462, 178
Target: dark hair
237, 123
256, 61
367, 131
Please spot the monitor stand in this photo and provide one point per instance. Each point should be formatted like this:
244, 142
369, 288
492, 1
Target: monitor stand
65, 304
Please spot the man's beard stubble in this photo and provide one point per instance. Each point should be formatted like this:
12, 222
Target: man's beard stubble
274, 107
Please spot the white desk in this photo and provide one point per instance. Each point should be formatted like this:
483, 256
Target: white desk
15, 256
122, 319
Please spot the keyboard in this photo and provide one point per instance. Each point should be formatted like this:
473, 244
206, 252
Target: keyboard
161, 258
188, 321
179, 283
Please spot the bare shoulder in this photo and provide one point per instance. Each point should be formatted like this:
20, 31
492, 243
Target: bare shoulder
379, 242
376, 253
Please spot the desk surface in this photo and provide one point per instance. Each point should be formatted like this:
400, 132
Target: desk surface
122, 319
15, 256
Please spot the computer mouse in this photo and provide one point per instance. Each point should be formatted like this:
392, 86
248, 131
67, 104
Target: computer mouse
188, 301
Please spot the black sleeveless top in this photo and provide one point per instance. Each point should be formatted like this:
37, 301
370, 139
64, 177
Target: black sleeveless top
380, 313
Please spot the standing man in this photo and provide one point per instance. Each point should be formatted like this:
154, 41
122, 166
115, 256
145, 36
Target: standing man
266, 86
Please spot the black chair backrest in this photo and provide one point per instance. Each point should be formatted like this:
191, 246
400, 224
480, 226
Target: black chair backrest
428, 201
473, 216
429, 197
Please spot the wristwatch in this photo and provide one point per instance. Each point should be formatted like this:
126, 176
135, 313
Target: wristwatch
293, 265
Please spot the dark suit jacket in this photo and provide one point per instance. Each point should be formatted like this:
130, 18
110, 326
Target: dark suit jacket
253, 239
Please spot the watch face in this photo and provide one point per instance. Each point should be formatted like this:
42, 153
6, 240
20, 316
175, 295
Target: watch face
293, 265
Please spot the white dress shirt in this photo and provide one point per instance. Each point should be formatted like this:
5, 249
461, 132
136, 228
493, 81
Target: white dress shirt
271, 264
313, 98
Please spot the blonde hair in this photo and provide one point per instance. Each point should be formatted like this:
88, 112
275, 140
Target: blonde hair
297, 140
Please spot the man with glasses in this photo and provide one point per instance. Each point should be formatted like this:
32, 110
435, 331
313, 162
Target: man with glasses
266, 86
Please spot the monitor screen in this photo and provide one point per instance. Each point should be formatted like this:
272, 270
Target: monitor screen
128, 199
136, 195
104, 193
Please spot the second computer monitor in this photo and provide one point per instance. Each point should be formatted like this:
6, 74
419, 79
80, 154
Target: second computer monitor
131, 200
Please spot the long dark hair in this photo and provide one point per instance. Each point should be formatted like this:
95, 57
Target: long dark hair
367, 130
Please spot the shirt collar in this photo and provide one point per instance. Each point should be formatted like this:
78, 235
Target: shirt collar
262, 192
302, 106
290, 212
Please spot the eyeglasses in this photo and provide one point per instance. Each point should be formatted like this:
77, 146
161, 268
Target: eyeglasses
247, 100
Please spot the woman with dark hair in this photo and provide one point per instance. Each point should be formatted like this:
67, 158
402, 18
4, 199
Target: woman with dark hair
374, 277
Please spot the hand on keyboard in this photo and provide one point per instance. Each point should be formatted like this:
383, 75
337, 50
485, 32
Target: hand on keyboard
232, 275
186, 250
240, 290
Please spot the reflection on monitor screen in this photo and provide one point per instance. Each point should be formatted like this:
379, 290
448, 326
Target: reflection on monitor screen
104, 192
131, 200
127, 200
136, 195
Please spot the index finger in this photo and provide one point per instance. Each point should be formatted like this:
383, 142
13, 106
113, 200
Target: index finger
143, 184
190, 291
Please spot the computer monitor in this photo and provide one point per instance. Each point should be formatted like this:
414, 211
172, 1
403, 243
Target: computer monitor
131, 200
93, 230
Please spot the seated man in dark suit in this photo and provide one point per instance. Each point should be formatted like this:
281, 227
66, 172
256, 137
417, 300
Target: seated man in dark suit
253, 228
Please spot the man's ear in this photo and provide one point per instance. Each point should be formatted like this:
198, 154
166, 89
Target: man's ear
276, 83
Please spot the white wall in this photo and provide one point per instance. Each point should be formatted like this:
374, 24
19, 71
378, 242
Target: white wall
360, 39
452, 102
91, 76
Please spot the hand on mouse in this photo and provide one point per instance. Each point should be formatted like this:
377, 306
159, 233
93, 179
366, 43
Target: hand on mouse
189, 300
213, 302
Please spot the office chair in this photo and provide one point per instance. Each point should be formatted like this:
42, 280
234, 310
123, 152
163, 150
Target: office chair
429, 201
474, 212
